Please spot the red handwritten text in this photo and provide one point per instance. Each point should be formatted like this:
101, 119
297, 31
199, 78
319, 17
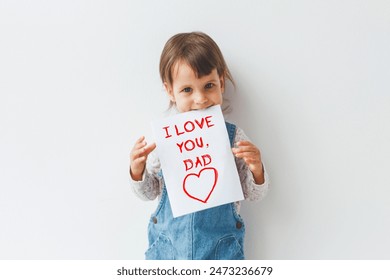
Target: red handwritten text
190, 126
199, 161
189, 145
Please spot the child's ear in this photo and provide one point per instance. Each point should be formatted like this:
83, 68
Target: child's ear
222, 83
169, 91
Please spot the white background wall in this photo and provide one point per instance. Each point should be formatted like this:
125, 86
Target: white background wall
79, 83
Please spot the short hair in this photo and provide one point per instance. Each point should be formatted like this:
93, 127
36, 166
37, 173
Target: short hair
198, 50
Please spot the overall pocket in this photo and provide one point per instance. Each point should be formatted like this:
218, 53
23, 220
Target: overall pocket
228, 248
161, 249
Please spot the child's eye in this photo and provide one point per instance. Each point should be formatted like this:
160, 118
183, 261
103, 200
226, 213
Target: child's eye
187, 89
209, 85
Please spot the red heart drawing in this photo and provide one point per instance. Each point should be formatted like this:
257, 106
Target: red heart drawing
200, 187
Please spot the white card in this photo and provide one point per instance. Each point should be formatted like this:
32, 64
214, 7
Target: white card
196, 159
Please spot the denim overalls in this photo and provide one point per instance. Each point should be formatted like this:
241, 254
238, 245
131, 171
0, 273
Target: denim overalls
215, 233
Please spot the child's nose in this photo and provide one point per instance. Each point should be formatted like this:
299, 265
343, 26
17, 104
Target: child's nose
200, 98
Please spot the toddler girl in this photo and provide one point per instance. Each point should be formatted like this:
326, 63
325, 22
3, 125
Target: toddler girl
194, 73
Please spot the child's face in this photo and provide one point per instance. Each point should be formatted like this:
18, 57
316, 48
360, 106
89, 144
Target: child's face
189, 92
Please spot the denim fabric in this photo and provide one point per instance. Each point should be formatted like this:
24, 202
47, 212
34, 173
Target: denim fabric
213, 234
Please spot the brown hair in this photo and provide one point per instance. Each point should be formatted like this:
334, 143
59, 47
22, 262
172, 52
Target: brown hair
198, 50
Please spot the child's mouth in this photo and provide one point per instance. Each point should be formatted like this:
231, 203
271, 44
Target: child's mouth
200, 109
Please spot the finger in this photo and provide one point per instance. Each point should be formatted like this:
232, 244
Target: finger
143, 151
135, 154
139, 145
251, 161
247, 155
148, 149
246, 150
139, 140
244, 143
140, 160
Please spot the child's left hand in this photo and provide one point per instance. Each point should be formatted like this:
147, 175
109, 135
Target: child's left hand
252, 157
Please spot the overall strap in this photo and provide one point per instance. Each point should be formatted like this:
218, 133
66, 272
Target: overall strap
231, 129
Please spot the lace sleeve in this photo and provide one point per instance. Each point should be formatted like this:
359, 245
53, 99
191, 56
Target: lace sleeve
150, 186
251, 190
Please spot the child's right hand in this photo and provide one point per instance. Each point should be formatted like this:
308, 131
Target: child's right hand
138, 157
